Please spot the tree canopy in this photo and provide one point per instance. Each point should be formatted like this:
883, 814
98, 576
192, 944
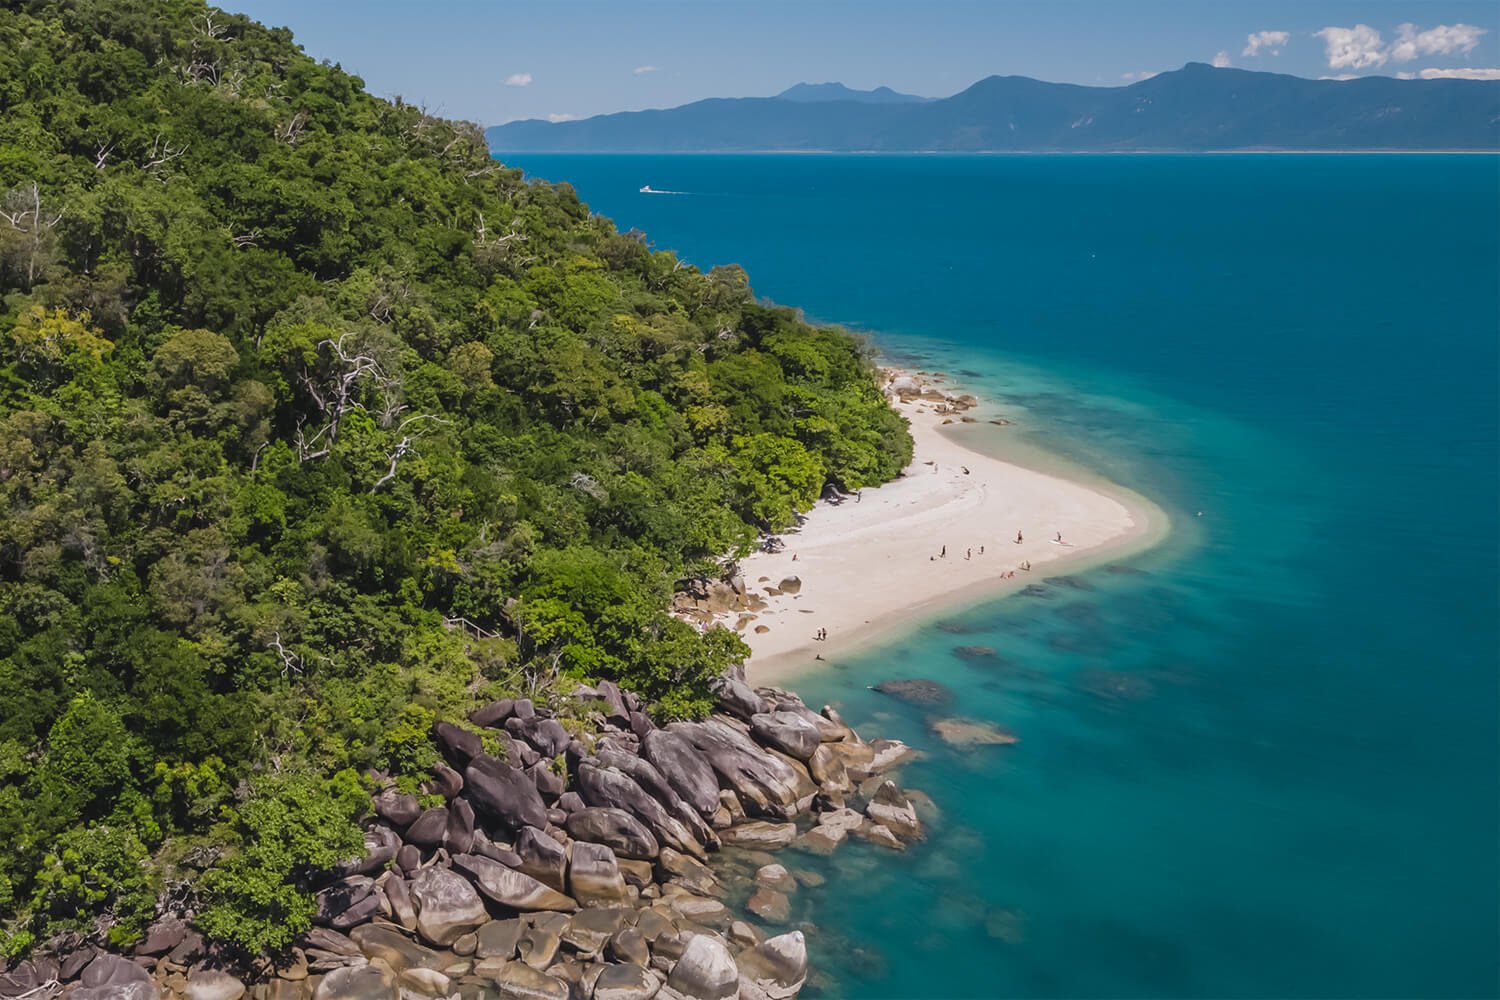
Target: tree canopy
292, 379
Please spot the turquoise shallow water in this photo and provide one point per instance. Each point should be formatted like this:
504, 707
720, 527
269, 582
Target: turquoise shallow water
1266, 763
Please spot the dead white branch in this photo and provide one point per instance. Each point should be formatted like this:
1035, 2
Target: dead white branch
291, 663
161, 153
22, 209
405, 445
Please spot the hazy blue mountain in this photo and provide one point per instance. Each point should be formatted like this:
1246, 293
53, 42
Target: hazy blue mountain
816, 93
1195, 108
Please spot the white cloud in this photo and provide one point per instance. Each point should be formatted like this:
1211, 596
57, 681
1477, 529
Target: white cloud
639, 70
1406, 76
1221, 59
1444, 40
518, 80
1358, 47
1341, 76
1144, 74
1271, 42
555, 117
1455, 74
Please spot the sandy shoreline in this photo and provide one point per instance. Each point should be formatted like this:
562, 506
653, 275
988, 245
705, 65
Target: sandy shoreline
873, 566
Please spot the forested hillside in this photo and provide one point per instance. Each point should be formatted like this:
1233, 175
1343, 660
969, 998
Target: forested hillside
317, 425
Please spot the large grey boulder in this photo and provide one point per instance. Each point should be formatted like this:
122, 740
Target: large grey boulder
444, 781
549, 783
506, 793
398, 897
429, 828
787, 732
829, 730
498, 939
212, 984
828, 770
335, 901
895, 812
650, 778
689, 872
161, 937
147, 990
508, 887
107, 977
758, 833
615, 828
493, 714
397, 950
706, 971
458, 745
448, 907
626, 982
614, 703
775, 969
519, 981
381, 844
542, 857
605, 787
458, 835
684, 768
365, 982
765, 784
594, 877
738, 698
546, 736
112, 970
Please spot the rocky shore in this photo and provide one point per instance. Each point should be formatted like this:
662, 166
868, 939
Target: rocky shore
560, 864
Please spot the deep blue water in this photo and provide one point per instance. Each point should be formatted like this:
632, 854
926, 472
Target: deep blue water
1267, 764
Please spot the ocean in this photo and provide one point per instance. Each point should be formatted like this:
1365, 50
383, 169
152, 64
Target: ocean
1261, 759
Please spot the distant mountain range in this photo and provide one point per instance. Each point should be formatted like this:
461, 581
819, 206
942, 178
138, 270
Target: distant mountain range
818, 93
1195, 108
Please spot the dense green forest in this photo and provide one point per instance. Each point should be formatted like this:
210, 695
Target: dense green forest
292, 379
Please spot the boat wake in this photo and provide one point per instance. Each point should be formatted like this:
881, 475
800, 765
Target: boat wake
648, 189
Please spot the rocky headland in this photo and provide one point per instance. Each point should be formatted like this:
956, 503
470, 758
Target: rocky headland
548, 861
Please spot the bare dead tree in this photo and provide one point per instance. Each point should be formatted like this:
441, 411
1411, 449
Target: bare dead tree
291, 663
207, 27
22, 209
334, 399
161, 153
101, 153
293, 129
585, 483
242, 240
255, 459
232, 82
405, 445
198, 70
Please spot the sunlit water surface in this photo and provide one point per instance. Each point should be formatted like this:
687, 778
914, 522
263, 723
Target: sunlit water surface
1264, 761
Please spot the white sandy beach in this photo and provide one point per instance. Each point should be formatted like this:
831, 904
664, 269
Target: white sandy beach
872, 565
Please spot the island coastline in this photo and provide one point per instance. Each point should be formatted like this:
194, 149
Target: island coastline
873, 564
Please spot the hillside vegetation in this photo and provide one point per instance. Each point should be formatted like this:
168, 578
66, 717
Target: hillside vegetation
317, 425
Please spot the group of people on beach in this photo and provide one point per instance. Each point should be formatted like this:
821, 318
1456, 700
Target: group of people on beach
1025, 565
821, 635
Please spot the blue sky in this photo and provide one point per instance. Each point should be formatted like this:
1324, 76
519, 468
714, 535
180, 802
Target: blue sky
493, 62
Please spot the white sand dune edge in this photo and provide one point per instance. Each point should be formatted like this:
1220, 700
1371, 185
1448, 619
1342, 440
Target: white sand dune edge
871, 567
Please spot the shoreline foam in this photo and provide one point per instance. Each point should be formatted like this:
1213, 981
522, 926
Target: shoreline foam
871, 566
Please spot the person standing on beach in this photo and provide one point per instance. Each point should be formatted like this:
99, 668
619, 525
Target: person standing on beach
1018, 538
968, 554
943, 554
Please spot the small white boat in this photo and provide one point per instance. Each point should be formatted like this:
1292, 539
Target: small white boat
646, 189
